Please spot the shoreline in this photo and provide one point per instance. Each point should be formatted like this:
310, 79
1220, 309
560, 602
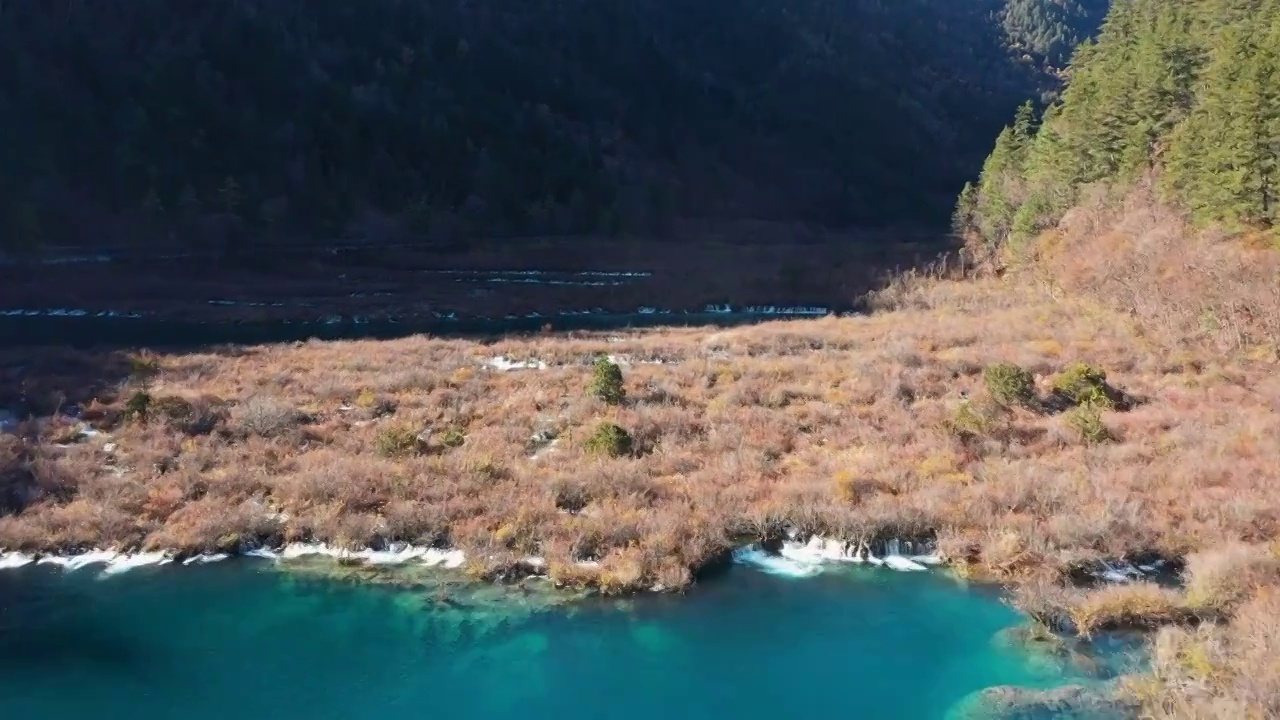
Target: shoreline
83, 328
787, 558
792, 556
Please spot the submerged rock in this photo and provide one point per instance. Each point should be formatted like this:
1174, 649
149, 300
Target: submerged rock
1073, 702
1050, 654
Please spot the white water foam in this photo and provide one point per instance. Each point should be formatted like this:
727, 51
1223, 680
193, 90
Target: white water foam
76, 562
803, 559
125, 563
13, 560
263, 553
820, 549
397, 554
756, 556
205, 559
293, 551
902, 564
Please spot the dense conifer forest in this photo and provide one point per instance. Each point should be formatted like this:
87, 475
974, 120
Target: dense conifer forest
246, 122
1050, 30
1182, 95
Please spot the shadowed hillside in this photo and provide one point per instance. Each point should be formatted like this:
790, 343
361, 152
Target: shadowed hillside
236, 125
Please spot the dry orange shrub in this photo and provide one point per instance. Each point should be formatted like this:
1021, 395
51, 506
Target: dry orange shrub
837, 425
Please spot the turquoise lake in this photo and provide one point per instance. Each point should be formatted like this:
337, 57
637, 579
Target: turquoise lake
244, 639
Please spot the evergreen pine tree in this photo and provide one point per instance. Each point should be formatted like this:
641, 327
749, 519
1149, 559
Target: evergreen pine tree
1187, 91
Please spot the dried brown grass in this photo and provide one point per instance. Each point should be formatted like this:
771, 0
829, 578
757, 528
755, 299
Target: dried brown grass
1218, 671
835, 425
843, 426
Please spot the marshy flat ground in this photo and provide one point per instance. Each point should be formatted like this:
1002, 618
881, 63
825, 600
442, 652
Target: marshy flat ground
858, 427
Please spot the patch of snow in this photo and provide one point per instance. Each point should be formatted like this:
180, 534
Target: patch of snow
448, 558
541, 452
629, 360
503, 364
1119, 572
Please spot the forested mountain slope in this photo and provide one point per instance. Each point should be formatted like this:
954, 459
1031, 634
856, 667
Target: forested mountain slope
1185, 95
248, 121
1051, 29
1148, 195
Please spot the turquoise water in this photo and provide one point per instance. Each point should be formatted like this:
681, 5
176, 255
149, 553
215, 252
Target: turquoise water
245, 640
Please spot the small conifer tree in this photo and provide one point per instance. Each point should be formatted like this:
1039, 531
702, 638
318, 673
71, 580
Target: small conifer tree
606, 381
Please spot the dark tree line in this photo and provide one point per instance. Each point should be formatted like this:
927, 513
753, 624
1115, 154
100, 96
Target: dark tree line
238, 123
1187, 93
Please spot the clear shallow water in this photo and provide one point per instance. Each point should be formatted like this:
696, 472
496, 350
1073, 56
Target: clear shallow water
241, 639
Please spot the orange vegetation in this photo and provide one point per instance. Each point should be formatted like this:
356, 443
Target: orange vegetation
863, 427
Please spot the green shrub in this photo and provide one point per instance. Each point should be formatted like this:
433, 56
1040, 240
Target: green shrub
1009, 384
138, 406
1086, 420
400, 441
606, 381
609, 439
969, 422
452, 438
1082, 384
